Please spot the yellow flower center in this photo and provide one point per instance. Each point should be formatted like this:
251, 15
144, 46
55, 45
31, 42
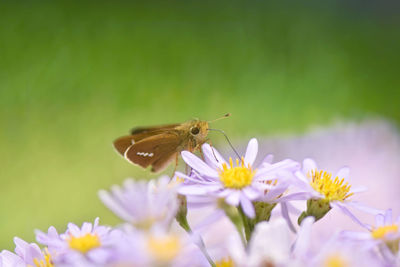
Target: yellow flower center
335, 261
164, 248
225, 263
381, 232
84, 243
236, 177
332, 189
145, 224
46, 262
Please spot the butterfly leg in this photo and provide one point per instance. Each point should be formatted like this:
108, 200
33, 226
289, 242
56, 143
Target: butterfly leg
202, 154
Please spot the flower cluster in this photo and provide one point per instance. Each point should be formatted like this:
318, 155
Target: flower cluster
222, 212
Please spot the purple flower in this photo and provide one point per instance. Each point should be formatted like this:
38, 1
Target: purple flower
90, 244
156, 247
385, 235
143, 203
325, 190
237, 182
335, 251
25, 254
339, 252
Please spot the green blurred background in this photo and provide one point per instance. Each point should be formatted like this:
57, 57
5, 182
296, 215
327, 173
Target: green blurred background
74, 76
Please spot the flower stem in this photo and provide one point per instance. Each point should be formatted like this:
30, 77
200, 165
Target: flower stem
248, 226
181, 218
233, 214
200, 244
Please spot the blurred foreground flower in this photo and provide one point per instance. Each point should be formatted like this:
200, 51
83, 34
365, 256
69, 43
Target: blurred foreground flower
90, 244
25, 255
385, 235
157, 247
143, 203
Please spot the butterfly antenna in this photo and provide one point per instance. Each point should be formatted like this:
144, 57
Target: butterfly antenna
227, 139
223, 117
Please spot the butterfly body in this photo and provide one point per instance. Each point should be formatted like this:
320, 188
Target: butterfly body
158, 146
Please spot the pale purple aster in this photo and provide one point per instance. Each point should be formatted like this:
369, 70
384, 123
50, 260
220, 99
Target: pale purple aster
335, 251
340, 252
314, 183
156, 247
80, 246
143, 203
384, 235
216, 178
26, 254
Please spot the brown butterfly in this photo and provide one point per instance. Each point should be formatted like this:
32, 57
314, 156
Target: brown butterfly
157, 146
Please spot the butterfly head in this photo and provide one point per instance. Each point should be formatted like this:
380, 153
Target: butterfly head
199, 131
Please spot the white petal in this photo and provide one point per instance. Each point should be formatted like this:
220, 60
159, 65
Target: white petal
302, 178
210, 219
309, 165
247, 206
379, 220
268, 159
356, 235
346, 211
237, 250
358, 189
270, 241
276, 191
364, 208
195, 179
251, 192
21, 247
212, 156
274, 169
114, 206
192, 190
388, 217
343, 173
197, 164
233, 198
74, 230
86, 228
251, 152
10, 259
285, 215
295, 196
304, 237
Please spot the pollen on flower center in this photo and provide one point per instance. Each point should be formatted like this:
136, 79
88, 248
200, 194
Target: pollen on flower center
332, 189
383, 231
225, 263
164, 248
335, 261
84, 243
236, 177
46, 262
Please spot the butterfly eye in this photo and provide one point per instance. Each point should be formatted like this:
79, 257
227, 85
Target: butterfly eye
194, 130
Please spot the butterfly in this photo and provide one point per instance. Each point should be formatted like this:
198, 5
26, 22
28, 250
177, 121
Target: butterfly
157, 146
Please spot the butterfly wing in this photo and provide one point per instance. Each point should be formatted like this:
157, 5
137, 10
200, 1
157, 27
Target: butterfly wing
123, 143
157, 151
137, 134
163, 162
154, 129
